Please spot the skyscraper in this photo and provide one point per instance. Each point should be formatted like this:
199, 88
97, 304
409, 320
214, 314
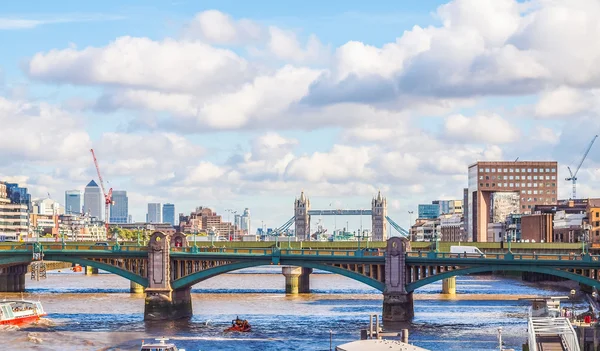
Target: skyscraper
72, 202
119, 210
168, 212
93, 200
246, 220
18, 195
154, 213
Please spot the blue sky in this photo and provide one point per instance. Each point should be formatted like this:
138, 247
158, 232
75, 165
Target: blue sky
233, 104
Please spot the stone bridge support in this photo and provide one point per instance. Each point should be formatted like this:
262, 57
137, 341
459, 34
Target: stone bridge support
449, 286
162, 302
297, 279
397, 302
12, 278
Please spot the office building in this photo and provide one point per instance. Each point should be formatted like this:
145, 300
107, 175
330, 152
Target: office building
73, 202
119, 209
168, 213
429, 211
154, 213
14, 217
47, 207
93, 200
500, 188
18, 195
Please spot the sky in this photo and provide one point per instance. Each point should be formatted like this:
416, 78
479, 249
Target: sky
235, 104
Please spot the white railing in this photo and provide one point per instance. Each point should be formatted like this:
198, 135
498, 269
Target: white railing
547, 326
570, 339
531, 334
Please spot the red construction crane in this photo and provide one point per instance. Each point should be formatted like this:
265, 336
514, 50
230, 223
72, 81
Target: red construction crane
107, 196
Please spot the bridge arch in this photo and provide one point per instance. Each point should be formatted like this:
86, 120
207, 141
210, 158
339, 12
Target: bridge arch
103, 266
198, 277
498, 268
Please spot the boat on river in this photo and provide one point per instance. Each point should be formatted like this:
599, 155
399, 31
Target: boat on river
20, 312
161, 345
239, 325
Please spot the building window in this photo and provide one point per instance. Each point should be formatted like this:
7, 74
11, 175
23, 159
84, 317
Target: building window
534, 177
499, 170
541, 170
517, 177
517, 185
553, 177
553, 184
511, 177
547, 170
480, 177
512, 185
487, 169
493, 170
553, 169
511, 170
523, 192
597, 214
500, 185
529, 185
529, 177
528, 206
505, 170
517, 170
528, 191
523, 207
522, 170
553, 199
535, 185
487, 177
528, 170
493, 184
505, 185
487, 184
493, 177
523, 185
481, 184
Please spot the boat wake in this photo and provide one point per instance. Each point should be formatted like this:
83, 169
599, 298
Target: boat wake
208, 338
8, 327
34, 338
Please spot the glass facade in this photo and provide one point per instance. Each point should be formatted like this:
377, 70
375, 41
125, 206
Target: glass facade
73, 202
154, 213
430, 211
18, 195
119, 210
169, 214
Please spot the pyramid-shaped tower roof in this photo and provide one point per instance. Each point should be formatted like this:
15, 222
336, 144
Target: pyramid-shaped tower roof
92, 184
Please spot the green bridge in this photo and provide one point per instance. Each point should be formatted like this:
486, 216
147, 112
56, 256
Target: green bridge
168, 267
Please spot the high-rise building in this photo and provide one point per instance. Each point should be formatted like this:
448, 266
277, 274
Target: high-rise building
72, 202
302, 218
237, 221
119, 209
528, 183
154, 213
246, 221
168, 212
46, 207
93, 200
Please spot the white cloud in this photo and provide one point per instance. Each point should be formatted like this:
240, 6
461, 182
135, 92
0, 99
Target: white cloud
566, 101
285, 45
214, 26
167, 65
488, 129
26, 23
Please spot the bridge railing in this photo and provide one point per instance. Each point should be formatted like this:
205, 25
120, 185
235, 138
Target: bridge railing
504, 256
71, 246
269, 251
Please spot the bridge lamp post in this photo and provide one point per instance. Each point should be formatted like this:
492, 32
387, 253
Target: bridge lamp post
138, 236
509, 240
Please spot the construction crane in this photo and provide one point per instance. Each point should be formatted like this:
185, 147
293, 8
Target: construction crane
573, 176
107, 196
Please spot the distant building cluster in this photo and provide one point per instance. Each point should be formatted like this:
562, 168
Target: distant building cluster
205, 221
514, 201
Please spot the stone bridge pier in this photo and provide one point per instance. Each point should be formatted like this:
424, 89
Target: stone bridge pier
162, 302
397, 302
12, 278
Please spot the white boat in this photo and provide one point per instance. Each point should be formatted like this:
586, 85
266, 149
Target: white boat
161, 345
19, 312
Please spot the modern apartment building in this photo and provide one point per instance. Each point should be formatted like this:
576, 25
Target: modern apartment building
429, 211
499, 188
93, 200
119, 209
73, 203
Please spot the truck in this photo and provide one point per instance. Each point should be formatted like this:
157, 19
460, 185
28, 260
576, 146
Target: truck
468, 251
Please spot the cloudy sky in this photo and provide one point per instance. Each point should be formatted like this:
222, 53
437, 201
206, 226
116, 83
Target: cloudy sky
233, 104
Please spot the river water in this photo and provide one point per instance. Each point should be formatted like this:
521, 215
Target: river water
98, 313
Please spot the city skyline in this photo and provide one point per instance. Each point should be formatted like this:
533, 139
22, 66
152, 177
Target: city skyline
284, 100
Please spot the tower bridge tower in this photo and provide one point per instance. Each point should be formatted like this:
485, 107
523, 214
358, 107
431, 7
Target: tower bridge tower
302, 218
378, 218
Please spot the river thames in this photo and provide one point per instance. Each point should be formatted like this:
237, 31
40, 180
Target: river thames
98, 313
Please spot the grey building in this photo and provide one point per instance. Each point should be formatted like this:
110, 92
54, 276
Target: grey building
154, 213
73, 202
119, 210
93, 200
168, 212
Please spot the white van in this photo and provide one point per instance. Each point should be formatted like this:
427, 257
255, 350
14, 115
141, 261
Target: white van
469, 251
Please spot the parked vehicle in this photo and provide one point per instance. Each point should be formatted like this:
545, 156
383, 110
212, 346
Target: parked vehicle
466, 251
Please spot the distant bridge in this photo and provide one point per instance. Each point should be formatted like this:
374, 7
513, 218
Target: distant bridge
168, 267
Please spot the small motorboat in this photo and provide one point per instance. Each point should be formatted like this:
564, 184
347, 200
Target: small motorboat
239, 325
19, 312
161, 345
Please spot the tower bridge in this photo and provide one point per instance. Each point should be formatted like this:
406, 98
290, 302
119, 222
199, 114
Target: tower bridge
378, 213
168, 268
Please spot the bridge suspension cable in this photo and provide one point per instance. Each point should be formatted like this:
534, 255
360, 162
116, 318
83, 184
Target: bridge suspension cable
398, 228
285, 227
